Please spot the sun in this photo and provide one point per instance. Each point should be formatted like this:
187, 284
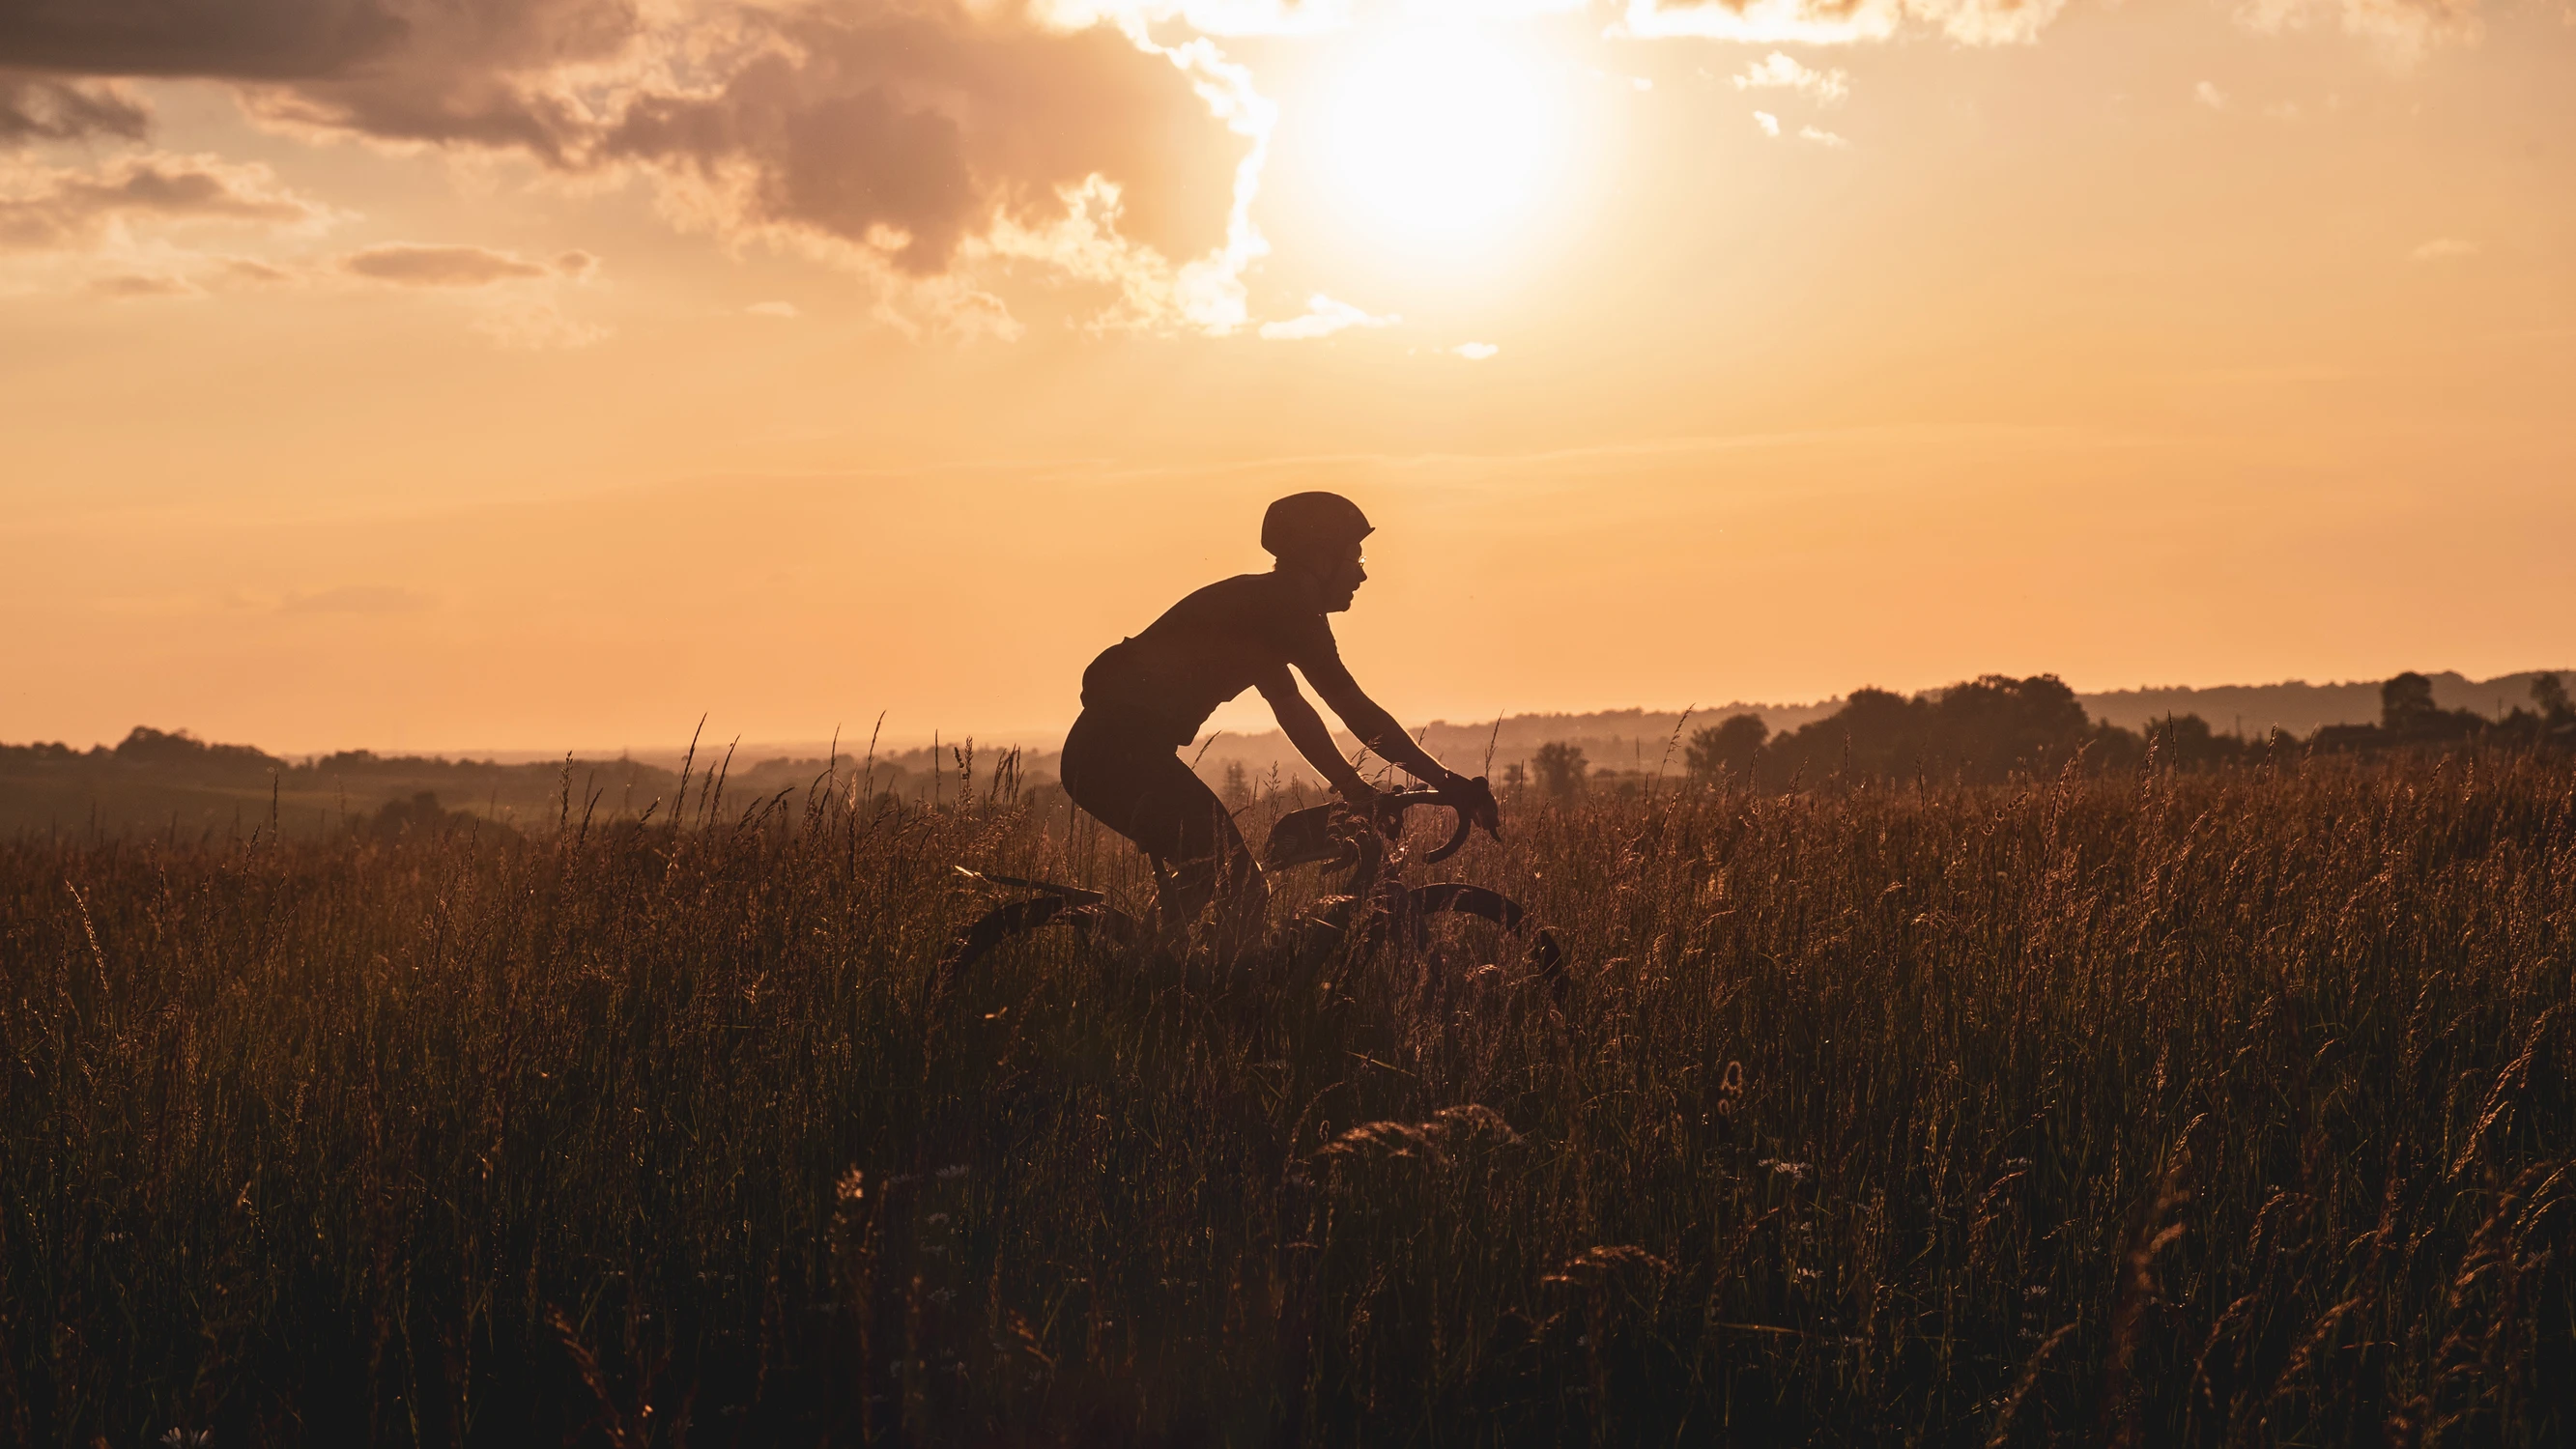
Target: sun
1440, 139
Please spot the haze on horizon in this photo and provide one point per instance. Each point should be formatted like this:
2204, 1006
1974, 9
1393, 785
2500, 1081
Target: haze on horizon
417, 375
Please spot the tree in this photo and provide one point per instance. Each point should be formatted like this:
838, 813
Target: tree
2182, 739
1560, 769
2549, 692
1238, 785
1726, 748
2406, 703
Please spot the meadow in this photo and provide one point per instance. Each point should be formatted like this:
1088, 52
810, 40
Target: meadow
2150, 1107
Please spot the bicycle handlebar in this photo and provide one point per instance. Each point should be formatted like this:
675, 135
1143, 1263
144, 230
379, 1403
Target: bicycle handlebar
1306, 837
1404, 800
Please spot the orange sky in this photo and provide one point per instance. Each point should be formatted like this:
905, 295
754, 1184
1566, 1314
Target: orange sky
433, 376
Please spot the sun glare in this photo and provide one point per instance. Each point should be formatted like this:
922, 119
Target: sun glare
1441, 139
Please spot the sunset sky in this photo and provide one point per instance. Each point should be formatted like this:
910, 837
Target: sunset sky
462, 374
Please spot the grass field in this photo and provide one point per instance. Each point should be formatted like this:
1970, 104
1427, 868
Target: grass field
2228, 1108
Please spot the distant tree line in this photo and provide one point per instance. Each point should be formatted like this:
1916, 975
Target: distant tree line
2409, 718
170, 779
1997, 728
1986, 730
148, 748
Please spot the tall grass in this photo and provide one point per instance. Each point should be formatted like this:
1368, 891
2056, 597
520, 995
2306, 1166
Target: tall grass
2212, 1109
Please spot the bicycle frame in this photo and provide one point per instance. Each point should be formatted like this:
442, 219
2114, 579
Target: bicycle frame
1376, 899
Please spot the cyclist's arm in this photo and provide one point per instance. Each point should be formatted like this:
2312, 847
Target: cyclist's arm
1305, 729
1376, 728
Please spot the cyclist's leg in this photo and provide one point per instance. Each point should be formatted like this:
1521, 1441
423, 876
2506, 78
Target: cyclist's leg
1139, 788
1212, 863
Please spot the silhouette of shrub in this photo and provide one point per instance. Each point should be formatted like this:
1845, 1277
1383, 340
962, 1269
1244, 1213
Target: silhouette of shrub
1560, 769
2406, 703
2549, 693
1727, 748
420, 815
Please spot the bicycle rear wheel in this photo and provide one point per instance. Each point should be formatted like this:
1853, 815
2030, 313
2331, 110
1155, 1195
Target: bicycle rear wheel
1021, 918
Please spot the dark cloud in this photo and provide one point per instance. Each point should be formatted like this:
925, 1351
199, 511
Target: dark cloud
68, 208
929, 121
39, 108
408, 265
476, 71
908, 127
471, 72
226, 39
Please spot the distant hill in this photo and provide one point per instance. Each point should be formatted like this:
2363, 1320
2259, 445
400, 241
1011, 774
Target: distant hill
170, 781
1637, 739
2297, 706
1645, 741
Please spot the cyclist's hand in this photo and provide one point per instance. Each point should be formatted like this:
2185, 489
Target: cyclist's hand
1475, 800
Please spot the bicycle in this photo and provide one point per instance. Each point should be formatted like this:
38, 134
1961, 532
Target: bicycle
1373, 901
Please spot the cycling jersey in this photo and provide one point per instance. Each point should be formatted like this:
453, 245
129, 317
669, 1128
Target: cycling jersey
1236, 634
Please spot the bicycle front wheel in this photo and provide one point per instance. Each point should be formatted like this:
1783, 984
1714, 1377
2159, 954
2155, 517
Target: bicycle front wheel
1541, 952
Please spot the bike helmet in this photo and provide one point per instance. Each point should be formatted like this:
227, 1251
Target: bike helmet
1303, 524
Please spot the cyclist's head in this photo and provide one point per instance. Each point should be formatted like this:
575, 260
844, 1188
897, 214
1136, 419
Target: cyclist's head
1312, 528
1319, 533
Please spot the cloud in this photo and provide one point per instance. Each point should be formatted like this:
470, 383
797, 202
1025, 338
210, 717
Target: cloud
2210, 96
1780, 72
38, 108
47, 208
773, 309
232, 39
941, 149
913, 140
1475, 351
250, 271
140, 284
1323, 318
512, 299
923, 139
1769, 123
493, 72
1838, 22
356, 599
1826, 139
2444, 248
406, 264
906, 132
2403, 28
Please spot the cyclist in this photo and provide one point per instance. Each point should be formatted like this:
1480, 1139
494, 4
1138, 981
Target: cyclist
1145, 698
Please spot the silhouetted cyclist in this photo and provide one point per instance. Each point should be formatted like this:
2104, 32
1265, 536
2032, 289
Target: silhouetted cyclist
1145, 698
